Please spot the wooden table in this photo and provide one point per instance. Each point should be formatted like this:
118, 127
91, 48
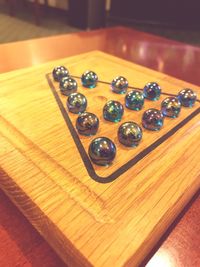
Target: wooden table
20, 243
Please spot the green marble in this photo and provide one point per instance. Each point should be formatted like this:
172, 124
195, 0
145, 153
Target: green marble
113, 111
134, 100
76, 103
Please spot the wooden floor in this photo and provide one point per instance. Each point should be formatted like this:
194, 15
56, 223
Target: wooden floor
22, 26
55, 22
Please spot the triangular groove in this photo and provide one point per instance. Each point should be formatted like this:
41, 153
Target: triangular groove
85, 158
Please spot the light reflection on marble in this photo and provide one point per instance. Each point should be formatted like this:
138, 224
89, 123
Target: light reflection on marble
187, 97
113, 111
89, 79
76, 103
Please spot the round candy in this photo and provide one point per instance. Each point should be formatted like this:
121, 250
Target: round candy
68, 85
187, 97
60, 72
152, 91
89, 79
152, 119
113, 111
87, 123
102, 151
134, 100
119, 85
76, 103
171, 107
129, 134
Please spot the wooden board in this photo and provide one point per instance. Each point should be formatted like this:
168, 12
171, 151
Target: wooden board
91, 223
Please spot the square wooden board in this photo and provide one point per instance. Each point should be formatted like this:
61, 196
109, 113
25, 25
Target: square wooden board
90, 223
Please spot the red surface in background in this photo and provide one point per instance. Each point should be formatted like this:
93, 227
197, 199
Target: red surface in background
20, 244
174, 58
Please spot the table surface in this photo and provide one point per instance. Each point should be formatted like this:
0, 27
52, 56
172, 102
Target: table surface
20, 244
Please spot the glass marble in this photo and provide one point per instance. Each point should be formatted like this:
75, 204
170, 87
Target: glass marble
113, 111
129, 134
102, 151
152, 119
87, 124
171, 107
134, 100
60, 72
187, 97
152, 91
119, 85
68, 85
76, 103
89, 79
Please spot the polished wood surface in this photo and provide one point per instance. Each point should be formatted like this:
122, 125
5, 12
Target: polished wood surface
21, 245
176, 59
124, 218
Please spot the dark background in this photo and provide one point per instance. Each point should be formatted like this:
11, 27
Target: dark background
170, 12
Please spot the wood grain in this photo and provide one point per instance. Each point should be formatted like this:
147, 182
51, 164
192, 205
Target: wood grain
120, 221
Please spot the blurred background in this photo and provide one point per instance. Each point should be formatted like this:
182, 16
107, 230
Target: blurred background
27, 19
30, 19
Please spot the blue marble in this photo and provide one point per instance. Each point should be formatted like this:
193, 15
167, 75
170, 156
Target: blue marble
129, 134
134, 100
119, 85
60, 72
171, 107
152, 91
68, 85
187, 97
89, 79
76, 103
102, 151
152, 119
87, 124
113, 111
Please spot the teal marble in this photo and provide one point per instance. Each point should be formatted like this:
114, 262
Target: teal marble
129, 134
152, 91
152, 119
171, 107
187, 97
76, 103
113, 111
119, 85
60, 72
89, 79
102, 151
68, 85
134, 100
87, 124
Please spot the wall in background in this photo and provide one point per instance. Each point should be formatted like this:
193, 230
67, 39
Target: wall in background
59, 3
176, 13
63, 4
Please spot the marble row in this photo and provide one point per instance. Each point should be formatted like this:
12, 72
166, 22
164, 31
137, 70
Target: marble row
102, 150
